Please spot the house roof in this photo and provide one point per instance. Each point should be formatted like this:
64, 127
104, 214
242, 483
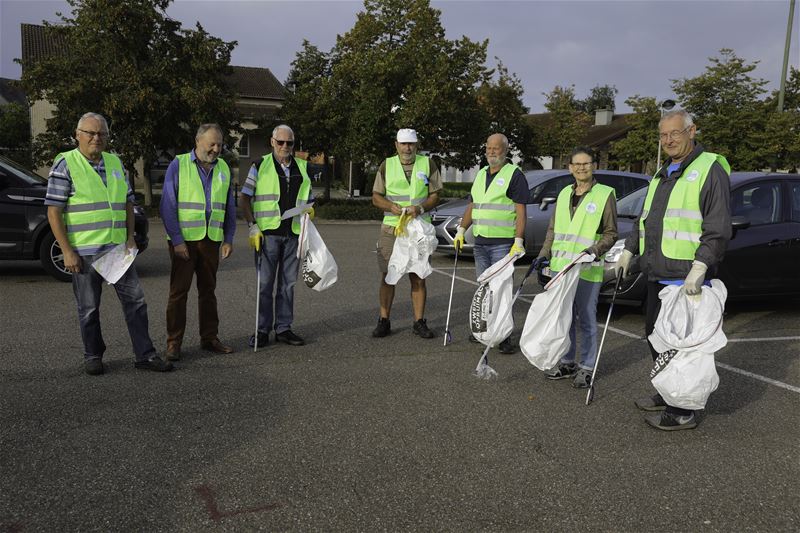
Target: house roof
247, 82
595, 135
11, 94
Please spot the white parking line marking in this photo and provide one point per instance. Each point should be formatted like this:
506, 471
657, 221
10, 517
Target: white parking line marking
624, 333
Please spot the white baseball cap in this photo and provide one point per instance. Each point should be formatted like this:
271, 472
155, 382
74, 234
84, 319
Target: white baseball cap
406, 135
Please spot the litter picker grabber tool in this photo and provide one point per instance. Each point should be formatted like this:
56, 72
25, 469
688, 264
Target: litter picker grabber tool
258, 293
448, 337
590, 392
483, 370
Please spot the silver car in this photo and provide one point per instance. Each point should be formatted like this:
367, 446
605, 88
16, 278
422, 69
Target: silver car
543, 186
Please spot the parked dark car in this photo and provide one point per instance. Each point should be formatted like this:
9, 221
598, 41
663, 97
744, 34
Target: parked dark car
764, 251
24, 230
544, 186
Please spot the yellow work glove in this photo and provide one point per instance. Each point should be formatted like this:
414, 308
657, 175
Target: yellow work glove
254, 237
310, 212
458, 241
623, 263
518, 247
400, 229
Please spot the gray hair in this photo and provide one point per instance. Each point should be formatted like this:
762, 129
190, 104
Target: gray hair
282, 127
205, 127
100, 118
503, 139
687, 118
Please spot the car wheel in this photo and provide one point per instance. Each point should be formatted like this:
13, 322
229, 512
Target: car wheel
52, 258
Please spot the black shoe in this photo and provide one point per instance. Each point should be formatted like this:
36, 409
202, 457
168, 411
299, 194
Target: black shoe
383, 328
421, 329
671, 422
263, 340
562, 371
289, 338
93, 367
156, 364
651, 403
507, 346
583, 379
473, 339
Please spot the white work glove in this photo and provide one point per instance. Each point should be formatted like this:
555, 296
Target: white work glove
693, 283
518, 247
458, 240
254, 237
623, 263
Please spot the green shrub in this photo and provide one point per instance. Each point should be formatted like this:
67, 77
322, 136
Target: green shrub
455, 190
339, 209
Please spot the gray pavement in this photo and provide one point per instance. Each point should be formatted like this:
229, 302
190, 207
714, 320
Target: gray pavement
355, 433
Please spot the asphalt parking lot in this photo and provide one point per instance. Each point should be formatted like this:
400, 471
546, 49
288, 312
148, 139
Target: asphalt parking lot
355, 433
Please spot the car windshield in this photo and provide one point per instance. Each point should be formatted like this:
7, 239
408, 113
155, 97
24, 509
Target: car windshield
21, 172
631, 205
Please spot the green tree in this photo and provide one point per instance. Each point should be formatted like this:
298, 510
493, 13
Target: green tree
154, 81
779, 141
726, 103
640, 145
600, 97
15, 133
565, 125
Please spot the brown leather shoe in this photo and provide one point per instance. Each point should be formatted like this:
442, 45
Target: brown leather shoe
173, 352
216, 346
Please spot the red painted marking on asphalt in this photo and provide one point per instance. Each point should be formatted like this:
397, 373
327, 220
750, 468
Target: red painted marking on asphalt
205, 492
13, 527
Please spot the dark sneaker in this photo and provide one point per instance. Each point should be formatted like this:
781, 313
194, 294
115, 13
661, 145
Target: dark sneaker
421, 329
582, 379
290, 338
651, 403
383, 328
156, 364
507, 346
562, 371
473, 339
671, 422
263, 340
93, 367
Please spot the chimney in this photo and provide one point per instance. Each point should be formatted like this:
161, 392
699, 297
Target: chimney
603, 117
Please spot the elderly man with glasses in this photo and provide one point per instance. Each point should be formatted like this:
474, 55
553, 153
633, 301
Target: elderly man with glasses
277, 183
681, 236
90, 210
584, 219
199, 216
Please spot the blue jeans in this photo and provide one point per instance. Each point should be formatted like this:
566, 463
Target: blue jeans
488, 254
88, 288
278, 260
584, 316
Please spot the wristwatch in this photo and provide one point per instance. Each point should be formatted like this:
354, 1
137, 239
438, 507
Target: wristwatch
421, 209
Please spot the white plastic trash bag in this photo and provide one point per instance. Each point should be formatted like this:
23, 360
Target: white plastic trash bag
545, 336
411, 252
318, 268
687, 333
490, 318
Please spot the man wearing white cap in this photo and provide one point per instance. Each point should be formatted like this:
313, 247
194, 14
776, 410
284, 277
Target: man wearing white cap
409, 182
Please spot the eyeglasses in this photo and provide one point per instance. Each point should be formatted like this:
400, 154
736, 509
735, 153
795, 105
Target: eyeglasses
284, 143
93, 134
581, 164
673, 135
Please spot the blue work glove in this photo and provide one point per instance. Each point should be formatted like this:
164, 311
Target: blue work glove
539, 263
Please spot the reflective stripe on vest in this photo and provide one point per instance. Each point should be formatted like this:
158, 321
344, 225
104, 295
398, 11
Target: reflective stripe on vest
406, 192
192, 199
268, 193
95, 215
493, 212
572, 235
683, 220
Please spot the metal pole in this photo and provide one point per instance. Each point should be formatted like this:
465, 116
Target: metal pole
350, 186
786, 56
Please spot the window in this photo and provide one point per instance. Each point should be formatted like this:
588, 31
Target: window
244, 146
550, 188
795, 188
759, 202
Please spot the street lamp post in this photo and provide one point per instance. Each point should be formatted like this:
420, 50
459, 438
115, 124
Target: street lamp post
666, 105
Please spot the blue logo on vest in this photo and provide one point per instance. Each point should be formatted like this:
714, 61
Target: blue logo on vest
422, 177
116, 174
501, 182
222, 177
693, 175
591, 207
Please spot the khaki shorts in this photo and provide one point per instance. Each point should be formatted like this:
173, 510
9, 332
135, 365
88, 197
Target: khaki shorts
384, 246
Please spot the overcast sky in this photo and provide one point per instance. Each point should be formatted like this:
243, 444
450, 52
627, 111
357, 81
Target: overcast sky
639, 46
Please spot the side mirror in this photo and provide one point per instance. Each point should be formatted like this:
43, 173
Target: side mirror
739, 222
546, 201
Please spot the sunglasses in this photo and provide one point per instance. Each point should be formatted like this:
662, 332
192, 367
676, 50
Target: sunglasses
284, 143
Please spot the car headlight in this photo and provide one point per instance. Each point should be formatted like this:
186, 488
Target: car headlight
613, 254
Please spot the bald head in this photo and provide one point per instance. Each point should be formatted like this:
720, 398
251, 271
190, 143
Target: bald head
496, 151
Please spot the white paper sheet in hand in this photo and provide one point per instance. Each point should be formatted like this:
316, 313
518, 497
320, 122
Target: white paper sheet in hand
114, 263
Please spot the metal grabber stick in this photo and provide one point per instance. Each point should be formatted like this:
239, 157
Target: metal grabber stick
258, 294
448, 337
590, 392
